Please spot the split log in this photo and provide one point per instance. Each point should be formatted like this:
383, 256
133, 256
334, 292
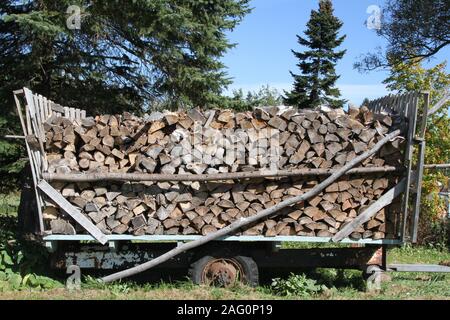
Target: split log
235, 226
371, 211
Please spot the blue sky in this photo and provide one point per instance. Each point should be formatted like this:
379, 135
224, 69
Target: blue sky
267, 35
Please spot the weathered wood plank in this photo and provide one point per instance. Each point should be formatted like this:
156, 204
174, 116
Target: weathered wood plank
72, 211
136, 177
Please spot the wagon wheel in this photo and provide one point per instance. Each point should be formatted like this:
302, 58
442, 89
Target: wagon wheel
224, 272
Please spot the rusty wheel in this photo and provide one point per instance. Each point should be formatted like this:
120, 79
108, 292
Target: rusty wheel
224, 272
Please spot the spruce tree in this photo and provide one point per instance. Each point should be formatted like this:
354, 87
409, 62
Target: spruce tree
126, 55
316, 83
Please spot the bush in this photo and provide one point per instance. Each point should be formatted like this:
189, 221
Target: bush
296, 285
22, 263
18, 264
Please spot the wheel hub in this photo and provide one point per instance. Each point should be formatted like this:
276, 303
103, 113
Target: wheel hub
222, 273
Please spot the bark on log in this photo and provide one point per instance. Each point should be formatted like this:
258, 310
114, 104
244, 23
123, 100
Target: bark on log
253, 219
140, 177
371, 211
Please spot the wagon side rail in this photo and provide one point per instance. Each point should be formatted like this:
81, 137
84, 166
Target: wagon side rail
413, 107
34, 110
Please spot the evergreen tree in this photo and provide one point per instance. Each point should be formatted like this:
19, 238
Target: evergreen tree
365, 102
316, 83
126, 55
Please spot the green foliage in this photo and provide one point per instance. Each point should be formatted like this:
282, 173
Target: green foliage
12, 159
19, 265
127, 55
411, 76
429, 254
414, 30
365, 102
239, 101
265, 96
23, 264
116, 288
296, 285
316, 83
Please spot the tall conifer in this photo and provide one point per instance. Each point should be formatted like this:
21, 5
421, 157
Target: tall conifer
316, 83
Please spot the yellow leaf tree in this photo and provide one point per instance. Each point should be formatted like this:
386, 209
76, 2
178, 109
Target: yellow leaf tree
412, 76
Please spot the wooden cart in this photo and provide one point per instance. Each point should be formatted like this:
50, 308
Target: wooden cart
231, 256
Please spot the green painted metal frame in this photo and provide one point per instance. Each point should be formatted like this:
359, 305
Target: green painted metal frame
177, 238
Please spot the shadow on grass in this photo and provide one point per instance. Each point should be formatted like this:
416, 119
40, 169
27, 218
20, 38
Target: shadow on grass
8, 228
25, 258
330, 278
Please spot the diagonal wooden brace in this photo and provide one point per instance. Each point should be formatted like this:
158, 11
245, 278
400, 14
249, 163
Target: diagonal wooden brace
72, 211
384, 201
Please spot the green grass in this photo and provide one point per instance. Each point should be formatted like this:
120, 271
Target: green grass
340, 284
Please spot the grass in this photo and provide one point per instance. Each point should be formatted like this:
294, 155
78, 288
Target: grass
340, 284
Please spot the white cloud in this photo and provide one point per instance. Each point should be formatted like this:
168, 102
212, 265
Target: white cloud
354, 93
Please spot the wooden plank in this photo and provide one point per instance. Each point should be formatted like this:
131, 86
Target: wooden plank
442, 166
36, 114
72, 211
35, 130
47, 108
412, 119
28, 119
172, 238
31, 111
43, 109
440, 104
424, 115
72, 114
41, 119
38, 117
371, 211
83, 114
57, 108
41, 112
418, 183
32, 163
66, 112
418, 268
78, 115
419, 167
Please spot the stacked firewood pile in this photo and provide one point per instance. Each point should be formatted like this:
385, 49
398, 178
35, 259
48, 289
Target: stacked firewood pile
210, 142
